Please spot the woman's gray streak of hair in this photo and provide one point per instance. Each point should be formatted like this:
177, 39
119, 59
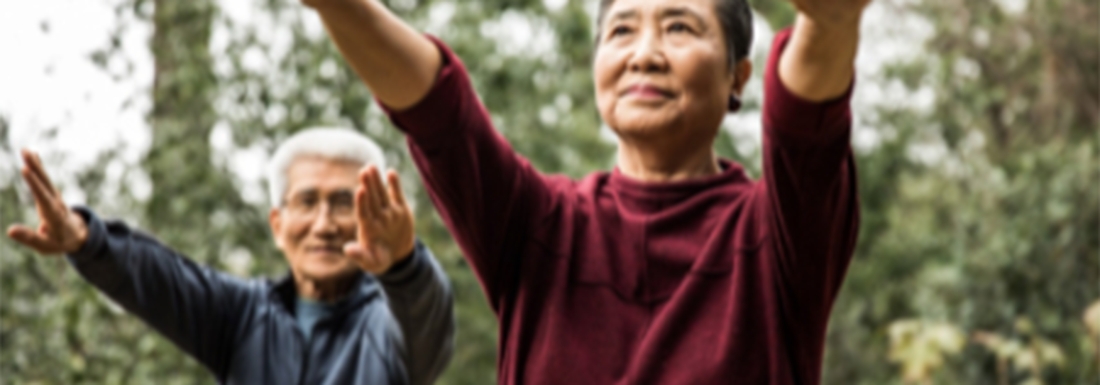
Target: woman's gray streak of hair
734, 15
324, 142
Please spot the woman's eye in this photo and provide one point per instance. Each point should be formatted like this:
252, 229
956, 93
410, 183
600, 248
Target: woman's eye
679, 27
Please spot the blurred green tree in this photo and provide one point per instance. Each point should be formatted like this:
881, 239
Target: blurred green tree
979, 214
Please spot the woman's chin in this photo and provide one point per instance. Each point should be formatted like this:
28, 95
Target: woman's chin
643, 130
635, 121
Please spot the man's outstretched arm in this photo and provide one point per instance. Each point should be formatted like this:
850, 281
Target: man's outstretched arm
818, 64
396, 62
198, 309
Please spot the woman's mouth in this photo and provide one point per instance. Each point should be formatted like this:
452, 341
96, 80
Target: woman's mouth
646, 91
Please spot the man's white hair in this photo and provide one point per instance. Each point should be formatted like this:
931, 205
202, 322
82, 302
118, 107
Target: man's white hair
325, 142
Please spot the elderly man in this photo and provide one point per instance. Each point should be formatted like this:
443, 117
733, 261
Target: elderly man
364, 301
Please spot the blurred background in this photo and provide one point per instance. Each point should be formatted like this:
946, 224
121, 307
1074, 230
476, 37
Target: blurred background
976, 138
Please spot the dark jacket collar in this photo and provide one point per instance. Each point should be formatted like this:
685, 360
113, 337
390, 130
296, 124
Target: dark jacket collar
363, 292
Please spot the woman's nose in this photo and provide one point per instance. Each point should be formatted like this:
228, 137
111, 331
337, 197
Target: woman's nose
647, 55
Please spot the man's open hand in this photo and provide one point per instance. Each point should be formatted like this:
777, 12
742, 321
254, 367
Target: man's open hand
385, 224
60, 230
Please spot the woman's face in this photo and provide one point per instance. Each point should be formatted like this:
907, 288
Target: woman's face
661, 70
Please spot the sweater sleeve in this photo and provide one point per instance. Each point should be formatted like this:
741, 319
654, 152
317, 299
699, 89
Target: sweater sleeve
420, 297
486, 194
197, 308
809, 191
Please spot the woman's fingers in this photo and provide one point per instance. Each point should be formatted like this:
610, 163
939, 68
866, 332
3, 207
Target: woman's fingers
396, 195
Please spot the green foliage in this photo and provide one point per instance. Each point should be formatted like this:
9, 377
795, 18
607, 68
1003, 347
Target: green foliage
997, 228
1001, 224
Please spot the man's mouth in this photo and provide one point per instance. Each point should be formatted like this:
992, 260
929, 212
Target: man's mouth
326, 249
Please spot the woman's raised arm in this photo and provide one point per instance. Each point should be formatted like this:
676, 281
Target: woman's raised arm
396, 62
819, 63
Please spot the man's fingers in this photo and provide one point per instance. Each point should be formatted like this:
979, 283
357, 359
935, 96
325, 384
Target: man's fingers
50, 208
366, 180
355, 251
362, 204
43, 199
34, 163
377, 188
18, 231
366, 260
365, 217
49, 205
32, 239
396, 195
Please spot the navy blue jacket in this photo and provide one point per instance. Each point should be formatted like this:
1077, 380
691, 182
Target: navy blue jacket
397, 328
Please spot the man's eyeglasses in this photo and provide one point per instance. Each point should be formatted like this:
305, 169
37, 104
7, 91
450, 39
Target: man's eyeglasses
307, 204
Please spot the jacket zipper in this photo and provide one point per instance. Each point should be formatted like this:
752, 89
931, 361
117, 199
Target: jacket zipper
307, 347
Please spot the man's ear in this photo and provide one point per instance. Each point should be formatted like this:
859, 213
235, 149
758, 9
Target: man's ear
741, 73
275, 219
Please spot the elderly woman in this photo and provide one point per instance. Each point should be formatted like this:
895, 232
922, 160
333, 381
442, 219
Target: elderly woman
673, 268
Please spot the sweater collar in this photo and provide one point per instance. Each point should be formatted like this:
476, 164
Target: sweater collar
732, 173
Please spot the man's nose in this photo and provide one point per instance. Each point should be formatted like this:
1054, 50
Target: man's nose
323, 224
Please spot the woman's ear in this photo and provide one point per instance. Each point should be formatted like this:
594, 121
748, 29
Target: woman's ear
741, 73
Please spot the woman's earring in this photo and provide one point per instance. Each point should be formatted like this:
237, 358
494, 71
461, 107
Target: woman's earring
734, 103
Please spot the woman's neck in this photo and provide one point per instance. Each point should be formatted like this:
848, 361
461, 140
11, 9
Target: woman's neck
657, 164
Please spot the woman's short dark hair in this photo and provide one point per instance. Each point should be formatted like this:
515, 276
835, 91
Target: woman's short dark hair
734, 15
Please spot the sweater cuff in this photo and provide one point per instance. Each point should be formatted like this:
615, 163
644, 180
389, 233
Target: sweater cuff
793, 116
96, 239
407, 269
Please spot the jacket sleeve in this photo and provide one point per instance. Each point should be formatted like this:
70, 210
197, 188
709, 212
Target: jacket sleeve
808, 194
199, 309
487, 195
420, 297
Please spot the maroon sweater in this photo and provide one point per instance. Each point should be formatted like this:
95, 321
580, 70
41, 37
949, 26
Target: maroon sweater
608, 280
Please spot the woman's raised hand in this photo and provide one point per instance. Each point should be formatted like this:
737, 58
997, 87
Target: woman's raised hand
397, 62
60, 230
832, 13
385, 233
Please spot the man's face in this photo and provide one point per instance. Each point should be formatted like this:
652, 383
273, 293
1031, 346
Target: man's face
661, 69
316, 218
